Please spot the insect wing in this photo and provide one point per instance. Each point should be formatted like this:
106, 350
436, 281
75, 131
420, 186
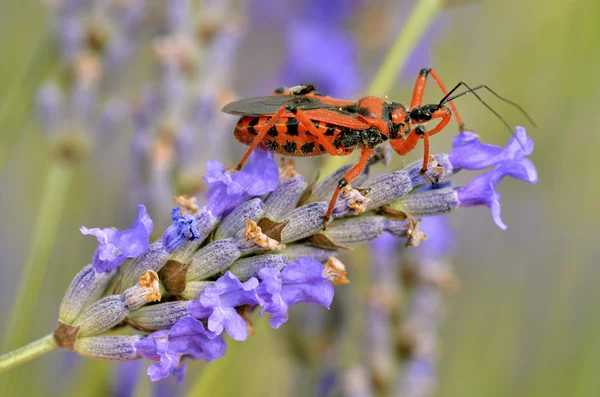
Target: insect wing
267, 105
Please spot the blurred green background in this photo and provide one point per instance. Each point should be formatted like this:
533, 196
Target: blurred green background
525, 320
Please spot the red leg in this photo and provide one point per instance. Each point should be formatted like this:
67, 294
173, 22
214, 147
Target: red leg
405, 146
308, 124
260, 136
352, 173
419, 90
302, 119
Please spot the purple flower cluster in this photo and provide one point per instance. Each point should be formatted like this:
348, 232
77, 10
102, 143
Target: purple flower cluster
217, 265
300, 281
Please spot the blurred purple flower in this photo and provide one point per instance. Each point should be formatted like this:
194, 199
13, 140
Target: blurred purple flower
187, 337
49, 107
300, 281
116, 246
323, 55
218, 302
126, 378
469, 153
227, 190
184, 228
440, 242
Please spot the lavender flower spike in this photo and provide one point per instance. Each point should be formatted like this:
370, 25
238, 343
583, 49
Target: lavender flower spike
116, 246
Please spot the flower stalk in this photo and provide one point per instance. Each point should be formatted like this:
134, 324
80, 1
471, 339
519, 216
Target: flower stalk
26, 353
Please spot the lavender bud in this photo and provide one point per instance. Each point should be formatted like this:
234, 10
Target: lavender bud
296, 251
252, 209
428, 202
285, 198
322, 191
111, 310
110, 348
206, 223
101, 316
193, 289
160, 316
213, 259
355, 230
154, 259
86, 287
249, 267
147, 290
303, 222
387, 188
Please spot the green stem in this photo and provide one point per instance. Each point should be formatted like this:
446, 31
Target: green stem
414, 28
26, 353
52, 203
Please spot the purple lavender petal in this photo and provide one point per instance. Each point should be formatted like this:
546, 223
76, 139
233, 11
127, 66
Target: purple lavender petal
303, 281
270, 289
259, 176
116, 246
218, 303
481, 190
187, 337
300, 281
469, 153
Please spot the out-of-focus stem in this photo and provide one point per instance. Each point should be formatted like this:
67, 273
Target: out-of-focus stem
52, 203
419, 20
414, 28
26, 353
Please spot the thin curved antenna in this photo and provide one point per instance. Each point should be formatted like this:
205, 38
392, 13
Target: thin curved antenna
470, 90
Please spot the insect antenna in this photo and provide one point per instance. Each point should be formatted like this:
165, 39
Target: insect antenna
448, 97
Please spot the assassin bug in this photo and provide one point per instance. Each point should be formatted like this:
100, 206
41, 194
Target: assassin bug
299, 121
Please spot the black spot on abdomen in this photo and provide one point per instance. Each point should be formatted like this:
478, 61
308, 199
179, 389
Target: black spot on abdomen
272, 145
292, 126
308, 147
289, 147
251, 125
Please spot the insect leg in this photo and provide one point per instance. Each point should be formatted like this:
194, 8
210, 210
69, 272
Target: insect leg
310, 127
260, 136
419, 90
352, 173
404, 147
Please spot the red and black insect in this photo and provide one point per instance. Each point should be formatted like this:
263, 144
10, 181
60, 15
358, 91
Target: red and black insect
298, 121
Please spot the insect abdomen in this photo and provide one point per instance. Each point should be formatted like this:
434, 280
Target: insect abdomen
290, 138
